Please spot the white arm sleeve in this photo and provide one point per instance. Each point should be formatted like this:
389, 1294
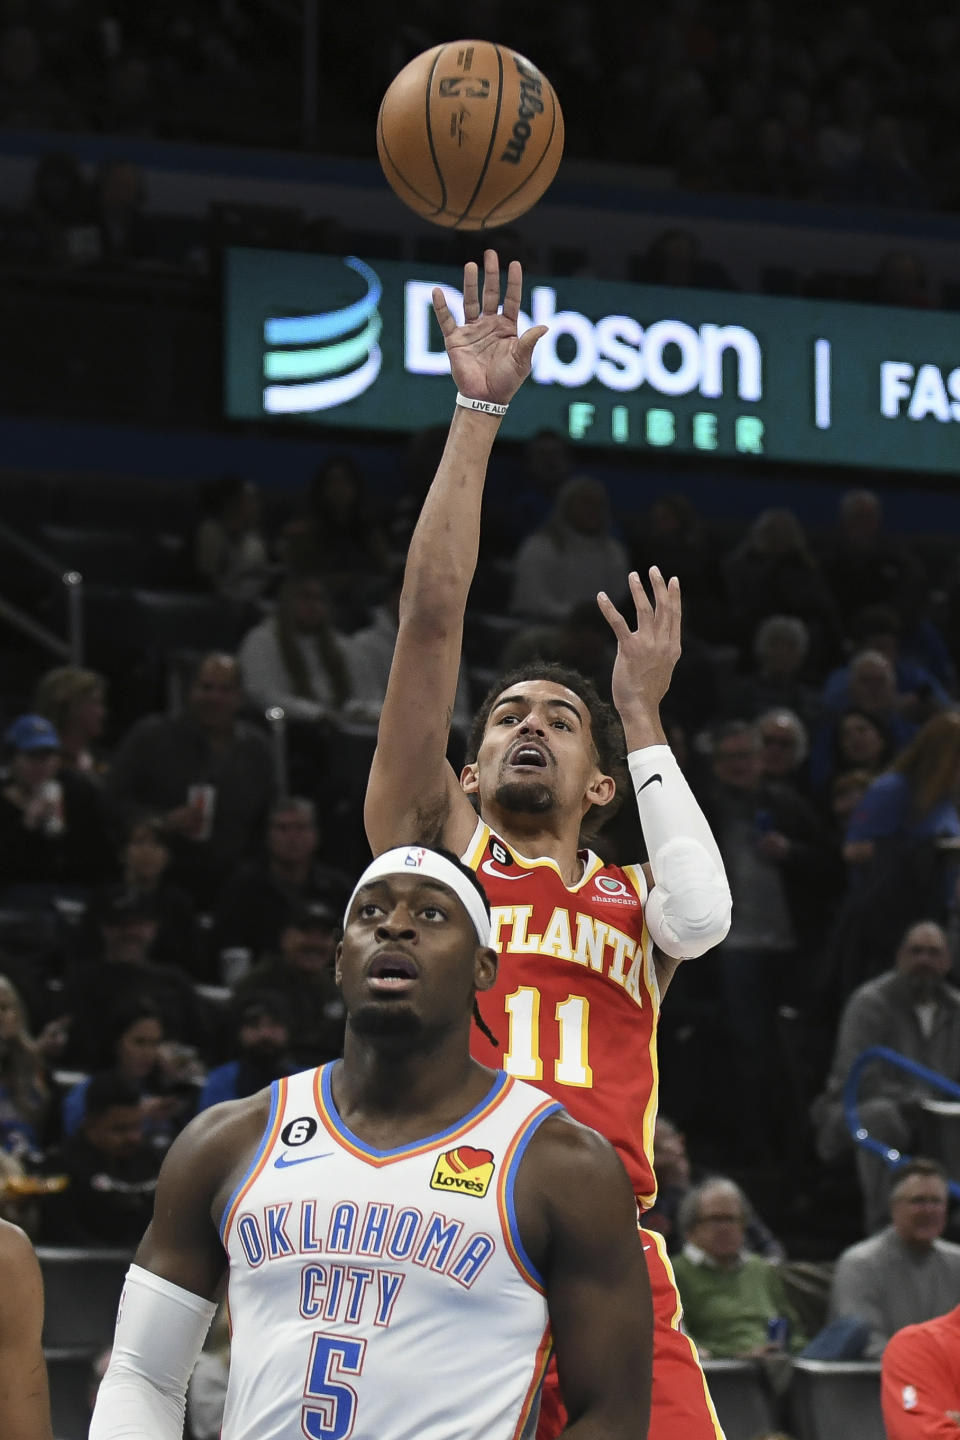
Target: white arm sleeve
688, 910
160, 1332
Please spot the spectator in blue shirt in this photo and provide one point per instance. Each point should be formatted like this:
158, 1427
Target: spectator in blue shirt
263, 1046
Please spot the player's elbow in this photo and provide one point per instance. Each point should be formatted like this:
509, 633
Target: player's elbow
689, 909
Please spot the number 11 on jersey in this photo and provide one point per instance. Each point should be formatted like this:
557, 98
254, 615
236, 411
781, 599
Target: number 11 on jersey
523, 1060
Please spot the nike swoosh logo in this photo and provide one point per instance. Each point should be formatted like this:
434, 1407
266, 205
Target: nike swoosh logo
282, 1163
658, 778
487, 868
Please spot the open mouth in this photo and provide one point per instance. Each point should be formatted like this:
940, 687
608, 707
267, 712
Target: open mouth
528, 757
392, 971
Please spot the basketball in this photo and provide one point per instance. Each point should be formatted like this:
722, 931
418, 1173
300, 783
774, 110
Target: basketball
470, 134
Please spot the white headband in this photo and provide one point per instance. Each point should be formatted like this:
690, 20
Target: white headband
409, 857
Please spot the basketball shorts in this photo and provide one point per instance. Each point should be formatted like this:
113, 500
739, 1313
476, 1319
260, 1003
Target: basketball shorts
681, 1407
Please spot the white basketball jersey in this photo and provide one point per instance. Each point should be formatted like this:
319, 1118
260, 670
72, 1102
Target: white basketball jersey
384, 1294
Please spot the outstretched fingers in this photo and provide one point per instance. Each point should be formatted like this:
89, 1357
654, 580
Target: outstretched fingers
511, 300
442, 311
471, 297
613, 618
491, 282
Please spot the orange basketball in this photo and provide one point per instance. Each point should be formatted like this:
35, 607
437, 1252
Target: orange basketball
470, 134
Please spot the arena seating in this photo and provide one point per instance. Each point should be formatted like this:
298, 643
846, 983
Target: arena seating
825, 1400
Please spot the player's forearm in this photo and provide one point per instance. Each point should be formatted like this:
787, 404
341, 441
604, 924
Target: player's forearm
443, 549
642, 725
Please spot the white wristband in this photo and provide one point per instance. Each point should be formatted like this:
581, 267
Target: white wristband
486, 407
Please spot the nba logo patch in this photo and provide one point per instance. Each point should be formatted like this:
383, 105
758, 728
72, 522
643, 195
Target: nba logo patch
909, 1397
464, 1170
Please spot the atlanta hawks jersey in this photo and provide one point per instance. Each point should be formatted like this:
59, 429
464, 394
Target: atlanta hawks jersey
384, 1294
576, 1002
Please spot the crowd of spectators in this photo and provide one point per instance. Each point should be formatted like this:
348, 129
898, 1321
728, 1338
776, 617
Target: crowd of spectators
834, 103
180, 880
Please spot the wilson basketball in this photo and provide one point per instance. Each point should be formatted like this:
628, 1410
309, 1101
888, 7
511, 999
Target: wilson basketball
470, 134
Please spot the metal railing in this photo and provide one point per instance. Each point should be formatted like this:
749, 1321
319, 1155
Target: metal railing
72, 648
861, 1135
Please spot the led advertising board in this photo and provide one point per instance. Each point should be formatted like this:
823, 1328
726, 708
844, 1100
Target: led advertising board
344, 342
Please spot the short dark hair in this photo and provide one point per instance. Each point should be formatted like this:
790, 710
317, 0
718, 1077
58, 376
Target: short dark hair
605, 726
110, 1091
920, 1165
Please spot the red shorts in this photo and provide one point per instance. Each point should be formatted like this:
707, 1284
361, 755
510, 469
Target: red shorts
681, 1408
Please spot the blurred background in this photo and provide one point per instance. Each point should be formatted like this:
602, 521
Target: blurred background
197, 611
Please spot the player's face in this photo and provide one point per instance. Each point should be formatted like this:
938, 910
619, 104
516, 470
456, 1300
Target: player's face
409, 961
537, 755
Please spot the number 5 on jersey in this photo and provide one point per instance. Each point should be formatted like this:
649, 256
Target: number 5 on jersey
330, 1407
572, 1016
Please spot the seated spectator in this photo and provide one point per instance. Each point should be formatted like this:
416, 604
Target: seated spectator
774, 572
785, 878
209, 776
74, 701
24, 1096
230, 553
261, 1050
295, 658
920, 1380
781, 644
254, 904
132, 1047
111, 1169
52, 826
369, 653
919, 692
853, 740
572, 557
907, 1273
302, 974
913, 1010
909, 806
146, 858
785, 747
121, 974
340, 536
728, 1295
864, 566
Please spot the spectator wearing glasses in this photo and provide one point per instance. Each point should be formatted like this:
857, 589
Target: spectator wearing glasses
907, 1273
913, 1010
785, 749
729, 1295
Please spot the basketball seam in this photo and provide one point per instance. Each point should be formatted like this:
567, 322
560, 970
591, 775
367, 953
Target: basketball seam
433, 154
400, 175
546, 150
493, 136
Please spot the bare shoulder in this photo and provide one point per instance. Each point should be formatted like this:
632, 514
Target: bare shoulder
564, 1148
17, 1255
21, 1287
574, 1172
216, 1143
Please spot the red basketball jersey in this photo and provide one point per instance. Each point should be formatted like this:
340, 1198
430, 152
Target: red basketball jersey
576, 1002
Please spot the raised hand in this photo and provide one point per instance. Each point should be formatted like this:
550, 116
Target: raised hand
646, 656
489, 361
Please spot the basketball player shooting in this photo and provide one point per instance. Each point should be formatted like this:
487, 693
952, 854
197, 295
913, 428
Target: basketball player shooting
587, 950
405, 1231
